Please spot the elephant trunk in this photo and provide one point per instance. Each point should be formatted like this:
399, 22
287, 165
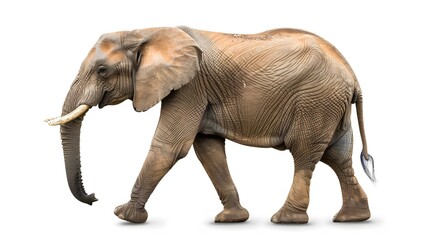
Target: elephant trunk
70, 136
71, 122
80, 98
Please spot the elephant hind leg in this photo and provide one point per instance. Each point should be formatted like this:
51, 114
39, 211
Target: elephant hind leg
210, 150
355, 202
294, 210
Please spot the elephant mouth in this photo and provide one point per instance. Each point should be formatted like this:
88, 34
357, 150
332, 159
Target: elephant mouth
108, 99
103, 103
105, 100
81, 109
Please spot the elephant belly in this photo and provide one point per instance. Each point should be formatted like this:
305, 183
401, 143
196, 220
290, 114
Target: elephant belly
243, 129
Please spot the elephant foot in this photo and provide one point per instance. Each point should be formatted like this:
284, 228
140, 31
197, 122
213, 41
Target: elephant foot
131, 212
230, 215
285, 216
352, 214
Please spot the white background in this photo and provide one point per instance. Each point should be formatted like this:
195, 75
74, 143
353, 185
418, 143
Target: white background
44, 42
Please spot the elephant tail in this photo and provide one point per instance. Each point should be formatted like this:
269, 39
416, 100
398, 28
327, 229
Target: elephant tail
366, 159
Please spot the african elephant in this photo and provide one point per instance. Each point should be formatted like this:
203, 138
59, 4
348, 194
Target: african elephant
283, 88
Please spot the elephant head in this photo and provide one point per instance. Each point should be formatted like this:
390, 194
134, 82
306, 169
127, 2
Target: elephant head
141, 65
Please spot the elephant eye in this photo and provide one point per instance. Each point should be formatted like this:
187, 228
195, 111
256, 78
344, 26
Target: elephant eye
102, 71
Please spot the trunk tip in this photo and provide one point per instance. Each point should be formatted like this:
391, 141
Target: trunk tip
89, 199
92, 198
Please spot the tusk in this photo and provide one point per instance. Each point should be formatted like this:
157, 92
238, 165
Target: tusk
68, 117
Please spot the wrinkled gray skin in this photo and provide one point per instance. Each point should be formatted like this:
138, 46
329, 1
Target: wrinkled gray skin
284, 88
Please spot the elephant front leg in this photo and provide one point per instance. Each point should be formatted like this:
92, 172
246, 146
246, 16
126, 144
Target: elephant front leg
176, 131
211, 153
157, 164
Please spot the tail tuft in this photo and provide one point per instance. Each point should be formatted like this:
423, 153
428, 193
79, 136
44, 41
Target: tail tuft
368, 166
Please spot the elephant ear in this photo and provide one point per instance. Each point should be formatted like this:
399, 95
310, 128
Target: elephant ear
166, 59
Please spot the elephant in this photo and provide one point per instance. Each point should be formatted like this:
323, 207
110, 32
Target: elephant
286, 89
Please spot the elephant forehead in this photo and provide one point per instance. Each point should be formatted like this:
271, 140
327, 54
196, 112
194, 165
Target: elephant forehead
110, 46
115, 38
98, 56
106, 45
108, 55
105, 53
